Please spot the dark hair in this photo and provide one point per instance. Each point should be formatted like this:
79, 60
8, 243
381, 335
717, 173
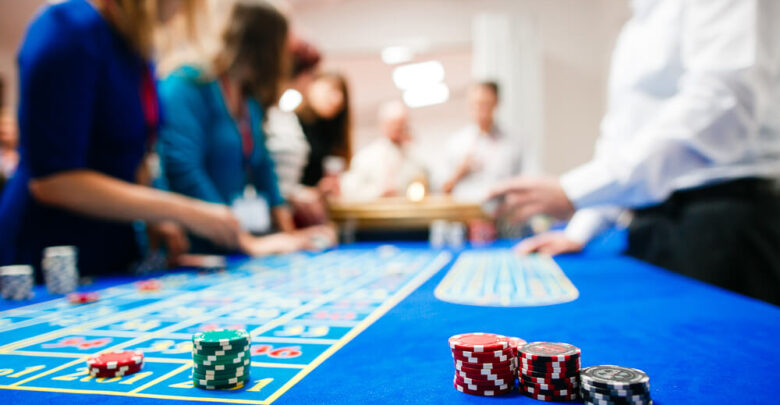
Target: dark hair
342, 121
254, 47
491, 85
305, 57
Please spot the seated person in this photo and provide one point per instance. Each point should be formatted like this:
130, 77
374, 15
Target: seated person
480, 155
211, 142
389, 164
288, 146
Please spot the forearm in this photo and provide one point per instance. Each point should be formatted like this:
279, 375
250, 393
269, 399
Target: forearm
94, 194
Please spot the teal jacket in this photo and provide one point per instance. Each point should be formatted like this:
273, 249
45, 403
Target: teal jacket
200, 146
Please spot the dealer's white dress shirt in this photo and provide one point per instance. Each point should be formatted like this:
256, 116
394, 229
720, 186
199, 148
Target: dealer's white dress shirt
694, 99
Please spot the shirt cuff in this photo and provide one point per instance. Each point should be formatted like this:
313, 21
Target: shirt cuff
590, 185
587, 223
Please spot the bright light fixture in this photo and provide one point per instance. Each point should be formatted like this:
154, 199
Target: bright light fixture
393, 55
290, 100
422, 96
415, 192
418, 74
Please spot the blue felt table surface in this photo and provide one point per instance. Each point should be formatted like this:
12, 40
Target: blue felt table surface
699, 344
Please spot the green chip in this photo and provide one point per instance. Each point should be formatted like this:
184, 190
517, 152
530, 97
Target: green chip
221, 337
214, 359
221, 382
220, 350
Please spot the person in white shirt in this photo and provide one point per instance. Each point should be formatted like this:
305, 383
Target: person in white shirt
389, 164
287, 143
690, 143
480, 155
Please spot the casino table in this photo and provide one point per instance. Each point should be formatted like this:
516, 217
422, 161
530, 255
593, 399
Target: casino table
329, 327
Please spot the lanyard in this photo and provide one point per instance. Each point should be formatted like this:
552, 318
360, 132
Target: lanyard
243, 123
149, 105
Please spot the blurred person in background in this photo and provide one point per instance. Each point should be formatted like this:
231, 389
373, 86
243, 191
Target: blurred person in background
480, 155
212, 145
325, 118
88, 114
9, 156
690, 143
389, 164
288, 145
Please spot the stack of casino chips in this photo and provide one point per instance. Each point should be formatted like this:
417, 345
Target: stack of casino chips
614, 385
549, 371
485, 363
60, 269
221, 359
115, 364
16, 282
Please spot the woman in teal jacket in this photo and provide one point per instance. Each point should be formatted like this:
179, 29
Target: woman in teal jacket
211, 142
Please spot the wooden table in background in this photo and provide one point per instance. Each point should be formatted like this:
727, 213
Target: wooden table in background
398, 213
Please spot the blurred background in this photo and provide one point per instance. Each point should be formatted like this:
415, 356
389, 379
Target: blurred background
551, 58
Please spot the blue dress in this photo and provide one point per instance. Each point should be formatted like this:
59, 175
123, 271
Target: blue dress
200, 145
80, 109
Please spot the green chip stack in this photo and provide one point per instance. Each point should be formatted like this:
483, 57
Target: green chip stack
221, 359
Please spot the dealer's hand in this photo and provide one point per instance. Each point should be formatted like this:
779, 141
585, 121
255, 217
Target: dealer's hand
526, 196
550, 243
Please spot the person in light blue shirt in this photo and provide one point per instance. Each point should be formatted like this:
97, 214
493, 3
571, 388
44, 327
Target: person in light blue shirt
211, 143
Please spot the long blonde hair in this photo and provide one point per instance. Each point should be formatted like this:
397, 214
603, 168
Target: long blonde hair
137, 20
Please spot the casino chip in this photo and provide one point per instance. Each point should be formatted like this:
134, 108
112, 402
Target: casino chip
549, 371
149, 285
115, 364
485, 363
614, 385
221, 359
83, 298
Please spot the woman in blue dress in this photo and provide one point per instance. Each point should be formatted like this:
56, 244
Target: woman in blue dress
88, 113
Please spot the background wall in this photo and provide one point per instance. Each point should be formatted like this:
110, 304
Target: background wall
576, 41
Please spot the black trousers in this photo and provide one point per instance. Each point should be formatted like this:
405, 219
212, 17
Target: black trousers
726, 234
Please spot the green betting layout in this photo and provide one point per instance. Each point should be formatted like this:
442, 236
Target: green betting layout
299, 310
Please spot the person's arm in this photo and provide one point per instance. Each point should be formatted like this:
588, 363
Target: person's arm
58, 84
96, 195
182, 144
712, 120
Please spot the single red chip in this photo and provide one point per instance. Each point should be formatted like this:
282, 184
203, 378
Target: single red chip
483, 392
483, 383
118, 372
549, 351
479, 342
83, 298
483, 355
485, 366
149, 285
115, 360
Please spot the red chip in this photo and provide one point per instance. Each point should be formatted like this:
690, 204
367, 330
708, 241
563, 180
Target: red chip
149, 285
118, 372
115, 360
479, 342
483, 392
83, 298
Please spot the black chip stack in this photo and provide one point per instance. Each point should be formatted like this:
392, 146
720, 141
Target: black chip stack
614, 385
